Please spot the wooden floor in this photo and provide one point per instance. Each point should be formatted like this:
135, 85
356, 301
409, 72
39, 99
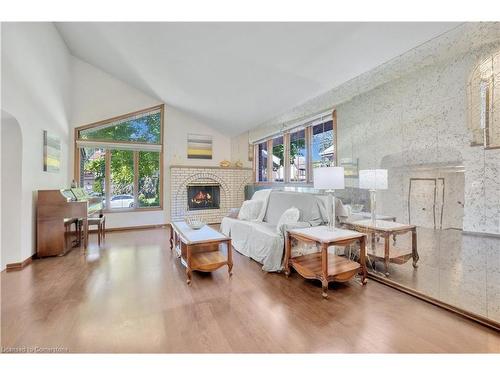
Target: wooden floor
131, 296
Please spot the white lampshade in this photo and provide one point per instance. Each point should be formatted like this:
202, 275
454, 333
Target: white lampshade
373, 179
329, 178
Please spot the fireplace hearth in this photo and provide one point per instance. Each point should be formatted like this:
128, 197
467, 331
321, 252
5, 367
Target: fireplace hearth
203, 197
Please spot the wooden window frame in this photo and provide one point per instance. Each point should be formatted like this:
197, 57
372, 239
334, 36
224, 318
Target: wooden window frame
286, 141
76, 166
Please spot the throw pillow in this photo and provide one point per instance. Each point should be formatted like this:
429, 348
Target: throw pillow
250, 210
290, 216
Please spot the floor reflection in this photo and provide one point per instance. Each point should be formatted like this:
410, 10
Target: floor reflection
456, 268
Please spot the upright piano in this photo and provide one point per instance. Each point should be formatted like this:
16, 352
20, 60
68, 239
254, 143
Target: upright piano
54, 210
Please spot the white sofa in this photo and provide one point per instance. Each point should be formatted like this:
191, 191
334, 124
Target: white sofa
261, 240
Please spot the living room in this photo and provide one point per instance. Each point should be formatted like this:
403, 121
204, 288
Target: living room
207, 187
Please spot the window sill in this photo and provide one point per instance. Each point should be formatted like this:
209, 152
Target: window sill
294, 183
142, 209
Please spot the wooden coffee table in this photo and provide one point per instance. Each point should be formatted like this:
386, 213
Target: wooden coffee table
323, 266
385, 252
200, 249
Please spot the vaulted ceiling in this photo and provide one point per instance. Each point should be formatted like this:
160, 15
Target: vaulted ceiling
234, 76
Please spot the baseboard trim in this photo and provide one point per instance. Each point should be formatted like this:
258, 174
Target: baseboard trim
464, 313
481, 234
137, 227
19, 265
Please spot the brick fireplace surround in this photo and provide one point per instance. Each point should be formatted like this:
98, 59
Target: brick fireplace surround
232, 183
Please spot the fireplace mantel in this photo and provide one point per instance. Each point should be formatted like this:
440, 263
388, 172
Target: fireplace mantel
208, 167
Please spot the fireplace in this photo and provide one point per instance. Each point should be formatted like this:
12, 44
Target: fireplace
203, 197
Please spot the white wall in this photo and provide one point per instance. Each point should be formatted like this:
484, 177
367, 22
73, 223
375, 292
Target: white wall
11, 185
36, 91
239, 150
99, 96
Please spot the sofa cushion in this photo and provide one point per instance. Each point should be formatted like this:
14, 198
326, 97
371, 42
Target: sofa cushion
309, 206
250, 210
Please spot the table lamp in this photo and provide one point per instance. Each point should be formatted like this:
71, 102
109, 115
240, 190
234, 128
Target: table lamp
373, 180
329, 179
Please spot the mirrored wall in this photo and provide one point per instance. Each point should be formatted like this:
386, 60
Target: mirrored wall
442, 178
430, 119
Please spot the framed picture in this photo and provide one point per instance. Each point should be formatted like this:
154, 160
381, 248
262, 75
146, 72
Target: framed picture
51, 152
199, 146
350, 167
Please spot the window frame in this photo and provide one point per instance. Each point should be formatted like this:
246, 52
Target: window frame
107, 174
483, 77
286, 140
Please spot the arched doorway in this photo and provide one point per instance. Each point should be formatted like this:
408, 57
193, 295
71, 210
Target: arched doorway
11, 184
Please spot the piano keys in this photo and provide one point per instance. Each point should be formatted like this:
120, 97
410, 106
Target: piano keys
56, 208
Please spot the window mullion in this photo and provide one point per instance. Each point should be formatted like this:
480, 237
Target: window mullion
136, 178
107, 178
309, 171
286, 152
255, 162
269, 160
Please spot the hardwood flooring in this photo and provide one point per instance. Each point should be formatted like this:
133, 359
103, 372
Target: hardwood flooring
131, 296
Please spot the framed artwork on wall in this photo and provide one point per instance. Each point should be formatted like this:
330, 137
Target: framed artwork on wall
199, 146
350, 167
51, 152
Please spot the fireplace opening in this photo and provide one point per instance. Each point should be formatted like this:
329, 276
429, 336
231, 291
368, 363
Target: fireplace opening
203, 197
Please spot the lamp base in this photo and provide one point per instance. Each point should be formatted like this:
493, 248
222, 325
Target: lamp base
373, 206
331, 210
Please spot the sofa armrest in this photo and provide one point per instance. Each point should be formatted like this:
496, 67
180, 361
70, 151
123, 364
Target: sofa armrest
297, 225
233, 213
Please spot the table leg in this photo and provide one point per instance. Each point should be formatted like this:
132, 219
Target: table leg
288, 245
414, 251
171, 238
85, 233
362, 259
324, 288
99, 234
324, 269
177, 245
188, 264
394, 235
386, 254
229, 257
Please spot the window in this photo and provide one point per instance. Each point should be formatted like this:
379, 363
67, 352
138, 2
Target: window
145, 128
120, 160
323, 146
278, 159
149, 179
307, 144
262, 162
93, 171
121, 179
298, 157
484, 103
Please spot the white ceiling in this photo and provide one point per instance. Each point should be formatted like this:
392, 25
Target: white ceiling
234, 76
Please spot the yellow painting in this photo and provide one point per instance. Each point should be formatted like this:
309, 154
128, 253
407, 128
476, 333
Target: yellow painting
199, 146
51, 152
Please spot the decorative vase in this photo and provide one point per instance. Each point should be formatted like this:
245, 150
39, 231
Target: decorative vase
225, 164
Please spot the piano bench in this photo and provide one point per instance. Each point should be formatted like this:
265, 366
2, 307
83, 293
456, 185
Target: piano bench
100, 222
